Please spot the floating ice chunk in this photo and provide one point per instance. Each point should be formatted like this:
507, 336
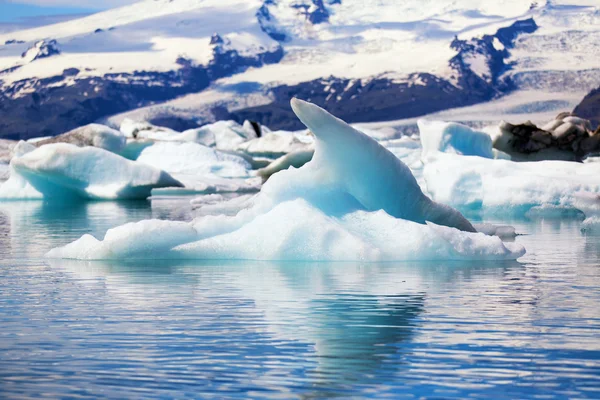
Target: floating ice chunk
209, 185
450, 137
145, 130
224, 135
502, 231
143, 239
66, 171
22, 148
353, 201
199, 168
90, 135
218, 204
18, 188
295, 159
275, 144
298, 230
292, 230
6, 150
193, 159
4, 171
591, 225
501, 186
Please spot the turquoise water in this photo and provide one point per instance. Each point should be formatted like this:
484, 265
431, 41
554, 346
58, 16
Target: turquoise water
527, 329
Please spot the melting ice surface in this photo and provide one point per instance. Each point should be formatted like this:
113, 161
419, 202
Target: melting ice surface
354, 201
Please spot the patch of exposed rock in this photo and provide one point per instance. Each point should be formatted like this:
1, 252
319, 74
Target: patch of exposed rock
567, 138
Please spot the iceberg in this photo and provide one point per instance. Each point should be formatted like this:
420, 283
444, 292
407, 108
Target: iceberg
500, 187
461, 170
450, 137
188, 158
354, 201
96, 135
223, 135
275, 144
63, 171
294, 159
199, 168
145, 130
591, 225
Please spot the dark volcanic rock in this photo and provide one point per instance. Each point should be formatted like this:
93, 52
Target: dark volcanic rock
566, 138
589, 107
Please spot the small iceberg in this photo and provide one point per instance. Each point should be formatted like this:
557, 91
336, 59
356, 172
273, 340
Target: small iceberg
354, 201
65, 171
95, 135
461, 169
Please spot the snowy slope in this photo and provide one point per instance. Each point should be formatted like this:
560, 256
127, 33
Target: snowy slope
147, 36
239, 59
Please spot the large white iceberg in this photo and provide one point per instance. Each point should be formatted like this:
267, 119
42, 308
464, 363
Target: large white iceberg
353, 201
61, 170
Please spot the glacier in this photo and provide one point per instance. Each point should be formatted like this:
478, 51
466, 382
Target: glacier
353, 201
62, 171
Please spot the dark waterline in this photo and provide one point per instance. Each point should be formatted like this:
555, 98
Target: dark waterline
527, 329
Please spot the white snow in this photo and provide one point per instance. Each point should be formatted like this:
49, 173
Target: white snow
361, 40
353, 201
64, 171
146, 36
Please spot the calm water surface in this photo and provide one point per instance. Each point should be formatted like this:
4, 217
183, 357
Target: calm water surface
527, 329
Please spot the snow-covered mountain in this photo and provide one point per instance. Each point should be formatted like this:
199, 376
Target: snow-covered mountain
189, 62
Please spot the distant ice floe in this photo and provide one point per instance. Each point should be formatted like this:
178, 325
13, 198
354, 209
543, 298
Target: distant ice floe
459, 171
65, 171
95, 135
353, 201
453, 138
591, 225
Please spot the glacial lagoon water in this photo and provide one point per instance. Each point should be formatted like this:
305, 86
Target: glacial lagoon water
152, 329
